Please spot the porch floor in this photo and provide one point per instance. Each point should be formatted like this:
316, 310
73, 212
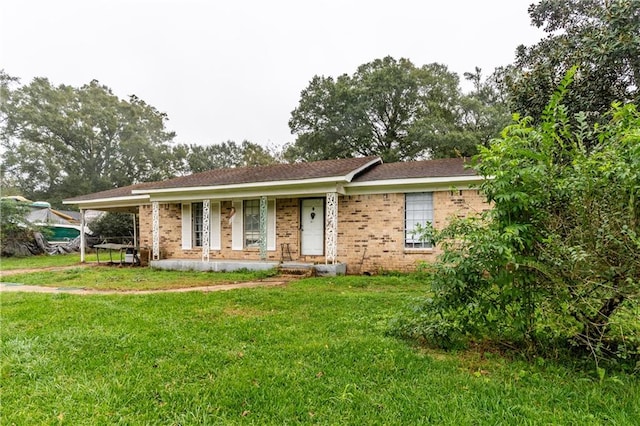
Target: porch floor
230, 265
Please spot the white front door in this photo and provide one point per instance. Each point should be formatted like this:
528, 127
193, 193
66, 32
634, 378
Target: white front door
312, 226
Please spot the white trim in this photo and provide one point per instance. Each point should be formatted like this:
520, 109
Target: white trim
271, 225
214, 226
131, 198
206, 231
237, 228
412, 185
186, 226
413, 181
309, 191
299, 192
249, 185
155, 231
331, 228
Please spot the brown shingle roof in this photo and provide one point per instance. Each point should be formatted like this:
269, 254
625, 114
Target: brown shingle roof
274, 173
446, 167
124, 191
231, 176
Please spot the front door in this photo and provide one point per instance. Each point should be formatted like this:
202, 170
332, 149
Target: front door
312, 226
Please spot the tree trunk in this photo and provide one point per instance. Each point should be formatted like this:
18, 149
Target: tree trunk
595, 328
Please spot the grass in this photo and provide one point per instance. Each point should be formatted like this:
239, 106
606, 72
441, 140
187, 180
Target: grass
44, 261
313, 352
131, 278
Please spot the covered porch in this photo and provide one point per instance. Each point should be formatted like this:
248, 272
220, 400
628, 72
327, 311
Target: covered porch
208, 253
300, 227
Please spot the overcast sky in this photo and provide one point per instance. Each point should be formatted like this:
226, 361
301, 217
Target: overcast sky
234, 70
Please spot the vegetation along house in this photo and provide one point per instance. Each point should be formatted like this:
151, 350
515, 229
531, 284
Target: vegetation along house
355, 215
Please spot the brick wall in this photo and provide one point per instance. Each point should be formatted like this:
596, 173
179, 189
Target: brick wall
370, 230
170, 222
170, 229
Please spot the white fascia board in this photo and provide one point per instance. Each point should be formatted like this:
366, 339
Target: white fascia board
128, 201
401, 185
242, 186
299, 191
410, 181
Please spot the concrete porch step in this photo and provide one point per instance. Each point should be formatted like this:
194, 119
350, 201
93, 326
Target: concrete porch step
297, 269
311, 270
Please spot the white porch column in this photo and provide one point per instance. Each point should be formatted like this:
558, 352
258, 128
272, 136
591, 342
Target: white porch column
331, 232
206, 215
135, 232
263, 227
82, 236
155, 231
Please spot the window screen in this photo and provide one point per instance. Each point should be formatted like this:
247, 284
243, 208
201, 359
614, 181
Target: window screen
252, 223
418, 210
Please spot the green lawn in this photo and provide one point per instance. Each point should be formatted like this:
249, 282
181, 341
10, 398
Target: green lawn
130, 278
315, 351
44, 261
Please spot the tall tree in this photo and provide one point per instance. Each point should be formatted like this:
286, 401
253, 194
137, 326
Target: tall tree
388, 107
480, 116
61, 141
258, 155
599, 36
206, 157
199, 158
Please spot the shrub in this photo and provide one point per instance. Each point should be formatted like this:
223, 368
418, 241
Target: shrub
558, 256
12, 220
112, 226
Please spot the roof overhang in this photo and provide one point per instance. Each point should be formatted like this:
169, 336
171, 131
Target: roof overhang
413, 184
115, 203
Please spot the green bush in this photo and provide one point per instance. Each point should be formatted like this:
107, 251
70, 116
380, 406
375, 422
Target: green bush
12, 220
557, 258
112, 226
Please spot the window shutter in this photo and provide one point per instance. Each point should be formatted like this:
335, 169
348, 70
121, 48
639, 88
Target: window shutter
237, 229
214, 226
186, 226
271, 225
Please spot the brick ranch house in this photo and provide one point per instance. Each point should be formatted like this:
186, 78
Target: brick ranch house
358, 213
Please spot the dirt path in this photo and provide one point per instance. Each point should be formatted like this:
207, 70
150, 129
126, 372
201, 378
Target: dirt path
48, 269
13, 288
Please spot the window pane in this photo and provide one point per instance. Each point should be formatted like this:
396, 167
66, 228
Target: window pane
418, 210
197, 225
252, 223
